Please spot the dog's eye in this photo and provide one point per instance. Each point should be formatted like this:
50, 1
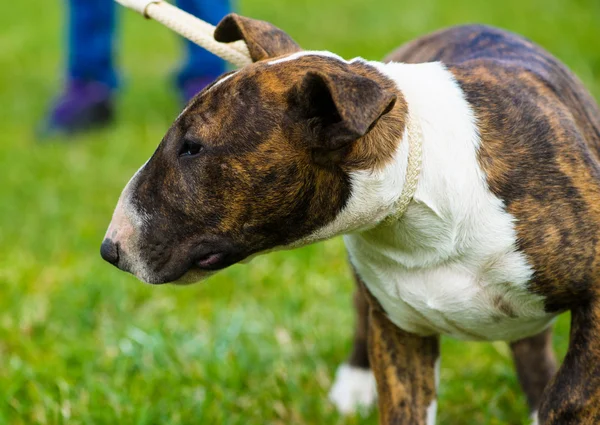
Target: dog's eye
190, 148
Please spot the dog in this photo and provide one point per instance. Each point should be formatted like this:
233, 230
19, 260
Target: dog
500, 235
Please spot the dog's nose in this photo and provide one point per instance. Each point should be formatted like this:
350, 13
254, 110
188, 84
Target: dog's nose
110, 251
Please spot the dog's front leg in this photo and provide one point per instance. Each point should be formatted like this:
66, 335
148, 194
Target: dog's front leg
573, 396
354, 387
404, 365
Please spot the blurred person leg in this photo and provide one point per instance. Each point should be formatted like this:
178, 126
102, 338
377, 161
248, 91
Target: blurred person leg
201, 67
86, 101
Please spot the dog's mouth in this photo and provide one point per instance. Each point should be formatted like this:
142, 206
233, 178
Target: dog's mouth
205, 266
202, 265
214, 261
210, 261
181, 265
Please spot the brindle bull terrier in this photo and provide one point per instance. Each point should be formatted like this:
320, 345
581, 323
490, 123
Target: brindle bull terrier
500, 237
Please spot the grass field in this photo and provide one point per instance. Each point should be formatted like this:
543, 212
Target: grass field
82, 343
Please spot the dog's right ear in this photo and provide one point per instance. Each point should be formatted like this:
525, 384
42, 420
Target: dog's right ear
264, 40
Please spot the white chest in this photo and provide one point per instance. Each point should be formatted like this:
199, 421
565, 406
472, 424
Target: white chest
468, 298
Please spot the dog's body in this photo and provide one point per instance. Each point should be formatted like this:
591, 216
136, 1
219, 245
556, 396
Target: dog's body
451, 265
499, 238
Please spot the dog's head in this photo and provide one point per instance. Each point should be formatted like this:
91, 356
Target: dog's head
261, 159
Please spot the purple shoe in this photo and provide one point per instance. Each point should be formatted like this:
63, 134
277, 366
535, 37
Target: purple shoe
194, 86
84, 105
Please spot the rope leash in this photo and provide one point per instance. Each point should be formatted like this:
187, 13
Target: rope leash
201, 33
192, 28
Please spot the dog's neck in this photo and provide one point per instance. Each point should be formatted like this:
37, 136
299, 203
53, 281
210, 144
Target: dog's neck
442, 214
376, 190
449, 142
442, 121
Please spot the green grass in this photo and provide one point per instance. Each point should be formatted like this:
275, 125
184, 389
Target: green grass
82, 343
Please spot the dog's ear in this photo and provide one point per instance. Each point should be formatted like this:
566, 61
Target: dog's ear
263, 39
340, 107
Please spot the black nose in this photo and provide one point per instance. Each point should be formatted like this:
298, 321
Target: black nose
110, 251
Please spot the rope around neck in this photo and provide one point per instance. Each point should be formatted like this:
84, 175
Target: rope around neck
413, 169
201, 33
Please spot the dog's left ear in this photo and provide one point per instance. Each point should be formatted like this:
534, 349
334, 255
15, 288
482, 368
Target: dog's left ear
339, 107
264, 40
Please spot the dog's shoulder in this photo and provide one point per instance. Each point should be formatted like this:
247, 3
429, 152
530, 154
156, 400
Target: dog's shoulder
539, 147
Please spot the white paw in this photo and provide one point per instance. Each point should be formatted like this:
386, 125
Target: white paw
534, 418
354, 389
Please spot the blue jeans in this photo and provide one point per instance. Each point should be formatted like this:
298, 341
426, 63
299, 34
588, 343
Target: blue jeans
91, 41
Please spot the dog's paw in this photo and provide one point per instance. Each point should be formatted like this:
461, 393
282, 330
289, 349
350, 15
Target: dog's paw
534, 418
354, 389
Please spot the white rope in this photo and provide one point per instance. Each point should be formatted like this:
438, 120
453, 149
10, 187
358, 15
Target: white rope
192, 28
413, 170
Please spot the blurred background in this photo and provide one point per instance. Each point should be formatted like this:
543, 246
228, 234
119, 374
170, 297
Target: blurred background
82, 343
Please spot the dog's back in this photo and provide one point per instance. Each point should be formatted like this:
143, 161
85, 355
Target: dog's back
473, 46
540, 148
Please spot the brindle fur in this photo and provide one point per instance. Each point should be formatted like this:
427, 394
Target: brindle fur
540, 147
574, 394
404, 367
280, 140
